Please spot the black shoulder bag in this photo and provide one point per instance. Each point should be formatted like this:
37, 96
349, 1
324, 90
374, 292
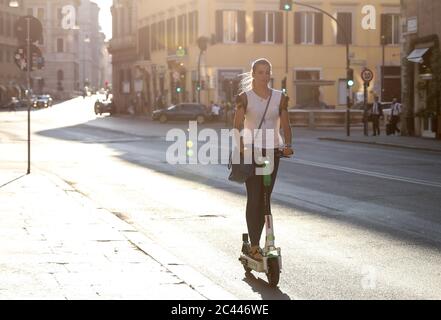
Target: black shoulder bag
241, 172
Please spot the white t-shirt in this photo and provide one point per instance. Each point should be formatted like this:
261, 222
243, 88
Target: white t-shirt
269, 136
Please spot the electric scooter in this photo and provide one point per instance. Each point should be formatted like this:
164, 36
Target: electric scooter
271, 263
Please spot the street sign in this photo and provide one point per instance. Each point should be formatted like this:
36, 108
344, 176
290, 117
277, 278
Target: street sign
367, 75
21, 58
35, 29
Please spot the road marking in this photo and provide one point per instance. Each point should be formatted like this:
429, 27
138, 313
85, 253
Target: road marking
367, 173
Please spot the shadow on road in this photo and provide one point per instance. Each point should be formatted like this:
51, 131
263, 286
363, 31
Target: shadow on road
118, 141
261, 287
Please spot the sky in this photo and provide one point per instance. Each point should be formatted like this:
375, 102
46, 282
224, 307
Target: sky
105, 17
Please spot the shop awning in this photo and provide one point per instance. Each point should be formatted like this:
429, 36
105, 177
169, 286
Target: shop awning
417, 55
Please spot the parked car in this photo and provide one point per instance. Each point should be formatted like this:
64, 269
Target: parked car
15, 104
183, 111
42, 101
104, 104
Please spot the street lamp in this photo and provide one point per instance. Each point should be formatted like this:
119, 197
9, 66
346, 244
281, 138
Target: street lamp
85, 79
16, 4
383, 47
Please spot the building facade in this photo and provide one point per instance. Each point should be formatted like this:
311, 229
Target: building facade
123, 48
12, 79
72, 46
313, 60
421, 67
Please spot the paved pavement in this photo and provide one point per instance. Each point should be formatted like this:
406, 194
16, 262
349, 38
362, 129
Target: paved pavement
56, 244
397, 141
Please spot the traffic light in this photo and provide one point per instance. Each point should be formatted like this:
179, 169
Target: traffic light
284, 85
178, 87
286, 5
350, 78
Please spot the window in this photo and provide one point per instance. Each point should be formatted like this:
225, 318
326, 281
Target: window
8, 25
30, 11
60, 45
2, 23
171, 34
307, 93
182, 31
193, 26
60, 75
1, 55
59, 17
230, 26
154, 39
308, 28
40, 14
161, 35
268, 27
144, 43
345, 21
390, 28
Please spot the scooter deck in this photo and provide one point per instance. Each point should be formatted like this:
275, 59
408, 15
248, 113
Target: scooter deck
247, 261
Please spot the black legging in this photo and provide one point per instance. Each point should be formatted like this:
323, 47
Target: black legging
255, 214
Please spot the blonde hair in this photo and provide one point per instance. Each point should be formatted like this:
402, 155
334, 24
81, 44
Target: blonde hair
246, 81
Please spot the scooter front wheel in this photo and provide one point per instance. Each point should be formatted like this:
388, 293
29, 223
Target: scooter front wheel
273, 274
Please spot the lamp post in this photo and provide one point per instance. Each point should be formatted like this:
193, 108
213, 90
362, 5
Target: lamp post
202, 44
348, 62
383, 54
86, 41
16, 4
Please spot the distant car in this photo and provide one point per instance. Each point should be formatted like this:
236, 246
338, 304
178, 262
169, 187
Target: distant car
104, 104
15, 104
183, 111
42, 101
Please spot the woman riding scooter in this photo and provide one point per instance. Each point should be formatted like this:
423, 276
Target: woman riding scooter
255, 98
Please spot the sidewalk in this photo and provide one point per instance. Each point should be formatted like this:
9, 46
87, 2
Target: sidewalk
56, 244
397, 141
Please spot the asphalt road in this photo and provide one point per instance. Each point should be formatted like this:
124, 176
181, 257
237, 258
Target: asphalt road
353, 221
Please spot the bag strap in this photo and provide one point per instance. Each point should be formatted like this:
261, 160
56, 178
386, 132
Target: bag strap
266, 110
263, 117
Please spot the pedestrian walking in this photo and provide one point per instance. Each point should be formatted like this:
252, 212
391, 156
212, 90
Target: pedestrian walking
215, 111
258, 105
395, 116
376, 114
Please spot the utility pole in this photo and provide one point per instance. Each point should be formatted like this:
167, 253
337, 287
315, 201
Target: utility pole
28, 77
383, 49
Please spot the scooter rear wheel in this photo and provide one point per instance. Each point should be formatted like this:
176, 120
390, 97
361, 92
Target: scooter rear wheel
273, 274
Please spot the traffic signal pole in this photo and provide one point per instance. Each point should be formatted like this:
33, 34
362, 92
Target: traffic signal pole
28, 76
